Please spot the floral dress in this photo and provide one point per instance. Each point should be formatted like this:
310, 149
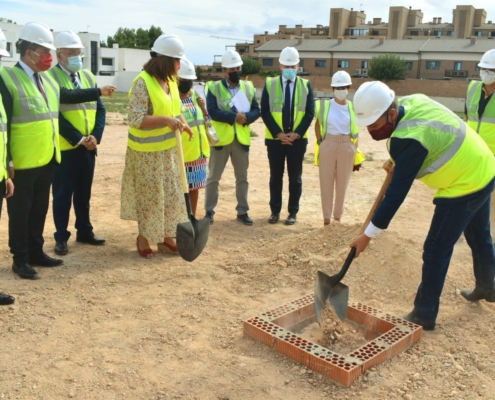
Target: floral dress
151, 190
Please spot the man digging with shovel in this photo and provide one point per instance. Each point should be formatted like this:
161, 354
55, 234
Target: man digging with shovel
430, 143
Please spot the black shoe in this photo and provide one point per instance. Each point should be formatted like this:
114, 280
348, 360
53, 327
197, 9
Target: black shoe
44, 260
25, 271
244, 218
90, 239
291, 219
427, 325
61, 248
209, 215
6, 299
477, 295
273, 218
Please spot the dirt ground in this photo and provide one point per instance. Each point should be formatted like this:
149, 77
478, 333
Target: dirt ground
112, 325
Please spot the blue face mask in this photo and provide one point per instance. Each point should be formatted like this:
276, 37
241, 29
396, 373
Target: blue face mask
74, 63
289, 73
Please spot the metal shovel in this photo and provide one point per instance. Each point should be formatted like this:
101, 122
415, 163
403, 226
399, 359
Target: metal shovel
192, 235
329, 287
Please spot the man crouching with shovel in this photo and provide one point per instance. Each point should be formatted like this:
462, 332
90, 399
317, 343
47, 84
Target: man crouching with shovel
430, 143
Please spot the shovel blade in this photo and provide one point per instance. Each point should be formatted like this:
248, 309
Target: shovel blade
322, 291
339, 299
192, 237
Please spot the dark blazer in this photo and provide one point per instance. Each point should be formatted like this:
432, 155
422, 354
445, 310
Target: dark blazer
269, 121
229, 116
66, 97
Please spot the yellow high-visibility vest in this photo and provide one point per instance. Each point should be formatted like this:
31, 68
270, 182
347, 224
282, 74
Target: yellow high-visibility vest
276, 102
3, 142
161, 137
34, 135
82, 116
225, 131
458, 162
198, 146
485, 125
322, 108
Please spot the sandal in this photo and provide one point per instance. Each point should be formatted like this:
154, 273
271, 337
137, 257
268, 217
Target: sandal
147, 253
171, 247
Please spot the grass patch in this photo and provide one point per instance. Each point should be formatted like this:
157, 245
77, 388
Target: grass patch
117, 103
253, 134
369, 157
309, 158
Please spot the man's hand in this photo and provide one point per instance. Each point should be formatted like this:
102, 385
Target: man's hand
108, 90
90, 142
360, 243
241, 118
12, 172
388, 166
284, 138
292, 136
9, 188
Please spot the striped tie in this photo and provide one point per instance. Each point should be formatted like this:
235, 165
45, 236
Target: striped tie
75, 81
40, 86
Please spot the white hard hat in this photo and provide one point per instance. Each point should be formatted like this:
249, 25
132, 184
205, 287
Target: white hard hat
68, 40
371, 100
186, 70
3, 45
488, 60
289, 56
231, 59
168, 45
37, 33
341, 78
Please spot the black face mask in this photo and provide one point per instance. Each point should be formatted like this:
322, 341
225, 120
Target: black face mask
235, 76
185, 86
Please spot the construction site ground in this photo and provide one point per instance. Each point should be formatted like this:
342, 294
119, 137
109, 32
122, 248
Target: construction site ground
110, 324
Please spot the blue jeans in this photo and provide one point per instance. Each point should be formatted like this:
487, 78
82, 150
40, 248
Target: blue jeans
469, 214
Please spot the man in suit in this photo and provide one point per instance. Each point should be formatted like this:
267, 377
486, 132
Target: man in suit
287, 109
81, 128
31, 100
6, 185
234, 133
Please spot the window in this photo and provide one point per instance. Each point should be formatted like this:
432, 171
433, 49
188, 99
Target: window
107, 61
478, 68
375, 33
414, 33
491, 34
450, 33
409, 65
457, 66
267, 62
356, 32
9, 48
257, 41
426, 33
246, 49
432, 64
301, 63
343, 64
437, 33
320, 63
364, 64
478, 33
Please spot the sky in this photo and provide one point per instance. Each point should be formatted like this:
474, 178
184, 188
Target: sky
196, 21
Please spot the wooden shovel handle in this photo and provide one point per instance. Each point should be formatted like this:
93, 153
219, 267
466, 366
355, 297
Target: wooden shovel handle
377, 202
182, 167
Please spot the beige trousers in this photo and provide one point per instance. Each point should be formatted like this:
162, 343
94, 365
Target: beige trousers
336, 162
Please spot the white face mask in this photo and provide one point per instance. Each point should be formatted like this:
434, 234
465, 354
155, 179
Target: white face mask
488, 77
340, 94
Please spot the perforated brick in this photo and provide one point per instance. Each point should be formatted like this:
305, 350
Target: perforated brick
388, 335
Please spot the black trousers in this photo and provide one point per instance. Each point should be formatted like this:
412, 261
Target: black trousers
27, 210
278, 153
72, 181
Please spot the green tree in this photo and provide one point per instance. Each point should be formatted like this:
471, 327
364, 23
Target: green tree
142, 39
250, 66
199, 72
154, 32
125, 37
103, 43
387, 67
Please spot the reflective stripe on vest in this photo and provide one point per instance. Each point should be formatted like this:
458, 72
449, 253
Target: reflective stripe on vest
225, 131
458, 161
485, 125
198, 146
34, 126
81, 116
3, 143
158, 138
276, 100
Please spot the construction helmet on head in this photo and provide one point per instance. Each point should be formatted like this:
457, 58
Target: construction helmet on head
37, 33
289, 56
68, 40
488, 60
3, 45
168, 45
371, 100
186, 70
231, 59
340, 79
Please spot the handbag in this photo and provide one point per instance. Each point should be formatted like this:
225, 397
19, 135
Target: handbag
211, 133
